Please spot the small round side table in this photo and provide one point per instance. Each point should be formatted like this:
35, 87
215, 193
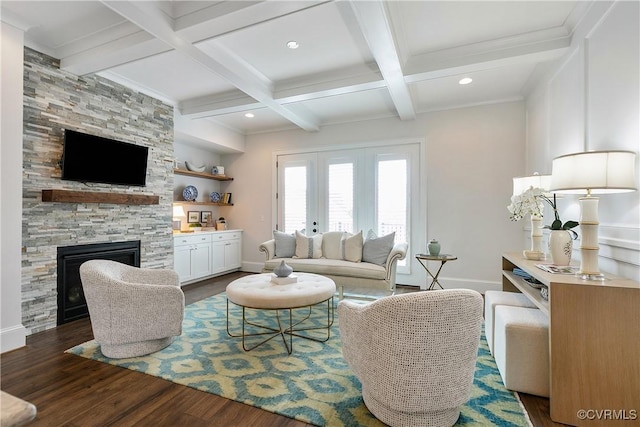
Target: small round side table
424, 258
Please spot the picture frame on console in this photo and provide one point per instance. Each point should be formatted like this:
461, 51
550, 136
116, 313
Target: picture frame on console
193, 216
206, 216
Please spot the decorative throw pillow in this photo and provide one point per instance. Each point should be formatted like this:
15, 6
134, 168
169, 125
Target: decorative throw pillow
376, 249
285, 244
308, 247
351, 245
331, 244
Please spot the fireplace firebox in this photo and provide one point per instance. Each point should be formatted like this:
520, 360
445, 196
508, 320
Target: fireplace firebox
71, 301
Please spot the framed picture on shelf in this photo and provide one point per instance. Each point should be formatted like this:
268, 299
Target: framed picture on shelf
193, 216
205, 217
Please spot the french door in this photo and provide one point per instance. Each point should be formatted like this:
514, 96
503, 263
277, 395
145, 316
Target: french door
352, 190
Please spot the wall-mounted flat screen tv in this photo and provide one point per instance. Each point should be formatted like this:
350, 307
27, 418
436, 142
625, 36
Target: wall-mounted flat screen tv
89, 158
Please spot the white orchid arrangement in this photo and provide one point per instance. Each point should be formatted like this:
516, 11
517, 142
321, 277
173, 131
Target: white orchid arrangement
528, 202
531, 202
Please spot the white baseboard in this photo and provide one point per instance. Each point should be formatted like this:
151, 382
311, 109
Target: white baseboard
12, 337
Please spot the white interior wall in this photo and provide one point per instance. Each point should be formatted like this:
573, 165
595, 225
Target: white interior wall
472, 155
12, 332
590, 100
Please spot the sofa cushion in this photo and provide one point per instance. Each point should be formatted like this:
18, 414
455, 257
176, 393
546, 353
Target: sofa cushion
308, 247
331, 244
351, 245
376, 249
334, 267
285, 244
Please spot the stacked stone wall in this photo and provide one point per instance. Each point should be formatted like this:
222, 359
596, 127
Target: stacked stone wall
55, 100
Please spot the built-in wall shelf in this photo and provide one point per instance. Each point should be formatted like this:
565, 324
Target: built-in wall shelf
202, 175
185, 203
73, 196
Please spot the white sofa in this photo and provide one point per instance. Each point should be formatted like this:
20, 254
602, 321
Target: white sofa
346, 274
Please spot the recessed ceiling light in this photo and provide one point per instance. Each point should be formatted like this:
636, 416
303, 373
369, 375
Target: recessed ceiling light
293, 44
249, 115
465, 81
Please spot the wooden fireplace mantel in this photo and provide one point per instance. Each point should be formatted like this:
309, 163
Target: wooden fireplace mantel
72, 196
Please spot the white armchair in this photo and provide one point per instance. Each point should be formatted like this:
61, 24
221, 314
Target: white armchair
415, 354
134, 311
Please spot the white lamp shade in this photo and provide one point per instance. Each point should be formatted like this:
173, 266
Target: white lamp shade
599, 172
523, 183
178, 211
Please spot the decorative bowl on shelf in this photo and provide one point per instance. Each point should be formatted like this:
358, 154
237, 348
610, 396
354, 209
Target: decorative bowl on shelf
193, 167
190, 193
215, 197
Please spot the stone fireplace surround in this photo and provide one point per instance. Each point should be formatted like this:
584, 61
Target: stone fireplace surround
54, 100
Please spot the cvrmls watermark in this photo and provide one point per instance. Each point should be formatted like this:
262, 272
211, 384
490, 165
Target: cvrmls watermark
608, 414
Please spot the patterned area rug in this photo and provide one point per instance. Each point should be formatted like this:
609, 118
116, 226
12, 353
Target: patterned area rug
313, 384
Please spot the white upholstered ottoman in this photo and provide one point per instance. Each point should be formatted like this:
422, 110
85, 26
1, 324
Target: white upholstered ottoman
521, 349
495, 298
258, 291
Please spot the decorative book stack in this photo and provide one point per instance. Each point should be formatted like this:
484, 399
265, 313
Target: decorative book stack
292, 278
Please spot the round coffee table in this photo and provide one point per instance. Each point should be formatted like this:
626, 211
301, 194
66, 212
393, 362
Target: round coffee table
258, 291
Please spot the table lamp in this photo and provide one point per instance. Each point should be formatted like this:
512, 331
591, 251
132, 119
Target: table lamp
178, 214
593, 172
520, 185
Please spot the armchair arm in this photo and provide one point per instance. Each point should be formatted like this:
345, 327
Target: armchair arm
156, 310
152, 276
269, 249
353, 323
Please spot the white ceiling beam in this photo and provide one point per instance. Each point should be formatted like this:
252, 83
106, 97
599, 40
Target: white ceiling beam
482, 56
376, 28
332, 83
228, 66
123, 50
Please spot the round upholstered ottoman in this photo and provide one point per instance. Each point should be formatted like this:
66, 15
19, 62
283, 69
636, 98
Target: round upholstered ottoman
521, 349
260, 292
495, 298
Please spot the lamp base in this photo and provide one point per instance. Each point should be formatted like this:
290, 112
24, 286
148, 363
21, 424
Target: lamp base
591, 276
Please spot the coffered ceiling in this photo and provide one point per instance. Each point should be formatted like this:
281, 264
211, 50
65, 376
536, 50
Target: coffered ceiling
360, 59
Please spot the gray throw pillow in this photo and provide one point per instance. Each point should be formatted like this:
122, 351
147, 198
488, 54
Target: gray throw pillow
285, 244
376, 249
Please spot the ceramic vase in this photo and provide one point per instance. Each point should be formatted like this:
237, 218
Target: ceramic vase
283, 270
560, 247
434, 248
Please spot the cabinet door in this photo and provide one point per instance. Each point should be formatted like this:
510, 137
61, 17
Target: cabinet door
232, 254
182, 262
201, 260
218, 256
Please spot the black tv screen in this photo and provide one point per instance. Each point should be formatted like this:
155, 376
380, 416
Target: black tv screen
89, 158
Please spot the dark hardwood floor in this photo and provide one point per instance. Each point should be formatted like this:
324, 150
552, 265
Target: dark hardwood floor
72, 391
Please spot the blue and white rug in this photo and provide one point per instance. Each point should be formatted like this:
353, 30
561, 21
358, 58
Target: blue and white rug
313, 384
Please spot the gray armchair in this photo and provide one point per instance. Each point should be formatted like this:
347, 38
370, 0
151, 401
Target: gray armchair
134, 311
415, 354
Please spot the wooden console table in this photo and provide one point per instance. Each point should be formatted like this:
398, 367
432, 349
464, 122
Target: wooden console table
594, 337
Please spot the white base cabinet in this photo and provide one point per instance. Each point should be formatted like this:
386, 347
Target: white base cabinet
226, 251
203, 254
